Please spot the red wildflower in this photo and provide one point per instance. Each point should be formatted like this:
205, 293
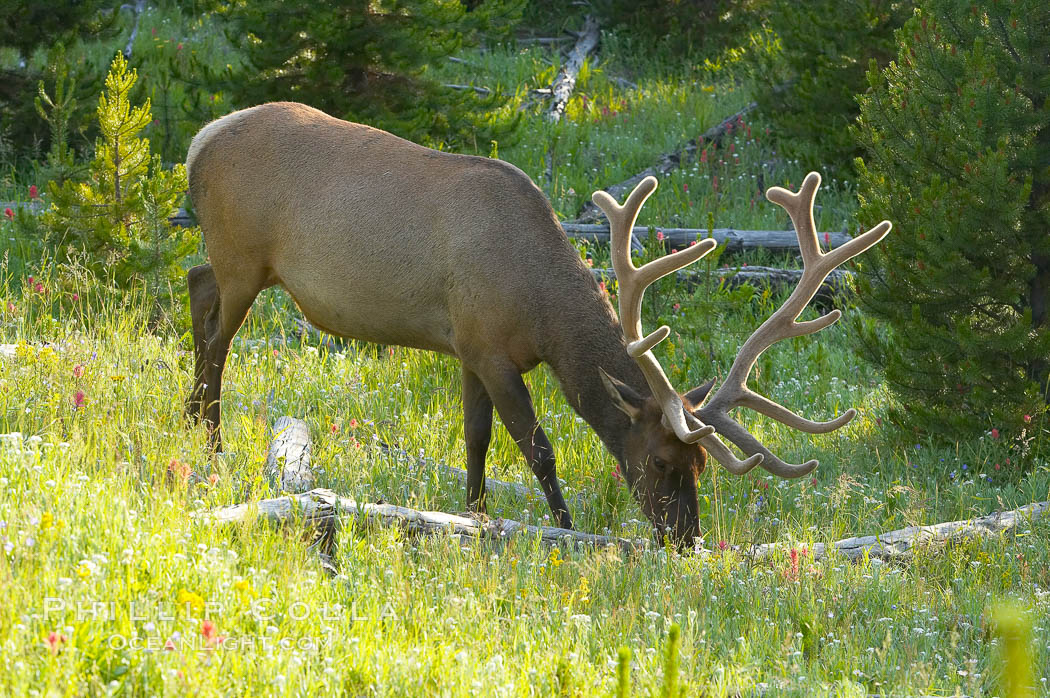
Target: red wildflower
334, 428
180, 470
995, 433
714, 182
209, 631
39, 288
685, 187
1027, 419
659, 235
78, 370
79, 399
827, 239
723, 545
9, 213
616, 472
33, 193
353, 424
55, 640
703, 155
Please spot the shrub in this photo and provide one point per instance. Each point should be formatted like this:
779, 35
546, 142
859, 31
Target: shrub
366, 62
957, 136
808, 82
115, 223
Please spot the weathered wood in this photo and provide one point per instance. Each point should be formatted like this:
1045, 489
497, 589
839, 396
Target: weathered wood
902, 543
288, 461
320, 507
735, 240
666, 163
136, 9
484, 91
563, 86
838, 282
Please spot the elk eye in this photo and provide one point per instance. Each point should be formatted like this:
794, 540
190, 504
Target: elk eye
660, 465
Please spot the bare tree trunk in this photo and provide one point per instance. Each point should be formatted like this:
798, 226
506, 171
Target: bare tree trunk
562, 88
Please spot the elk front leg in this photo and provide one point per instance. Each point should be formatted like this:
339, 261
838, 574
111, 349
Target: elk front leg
477, 433
514, 404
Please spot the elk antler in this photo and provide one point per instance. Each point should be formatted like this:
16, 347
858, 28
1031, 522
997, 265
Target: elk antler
633, 282
781, 325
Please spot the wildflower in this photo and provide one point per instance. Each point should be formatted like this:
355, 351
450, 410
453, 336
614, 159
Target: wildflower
85, 569
76, 297
677, 307
213, 479
78, 399
180, 470
9, 213
189, 600
209, 631
353, 424
39, 287
601, 286
169, 645
685, 188
723, 545
179, 47
673, 250
334, 427
616, 472
659, 235
55, 640
78, 371
714, 182
703, 155
555, 558
827, 239
590, 262
243, 586
46, 520
995, 433
11, 307
1027, 419
997, 467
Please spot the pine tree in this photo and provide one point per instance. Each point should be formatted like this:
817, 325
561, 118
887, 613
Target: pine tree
957, 139
808, 82
367, 61
116, 222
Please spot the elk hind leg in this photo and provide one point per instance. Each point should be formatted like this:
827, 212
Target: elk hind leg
221, 323
477, 433
204, 293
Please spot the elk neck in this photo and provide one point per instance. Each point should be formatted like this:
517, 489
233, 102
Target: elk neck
581, 341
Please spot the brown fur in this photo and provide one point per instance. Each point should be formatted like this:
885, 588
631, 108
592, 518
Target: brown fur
383, 240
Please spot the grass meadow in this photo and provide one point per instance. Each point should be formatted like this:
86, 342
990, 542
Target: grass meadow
112, 587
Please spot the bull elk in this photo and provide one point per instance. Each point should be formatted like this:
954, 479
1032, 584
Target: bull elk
379, 239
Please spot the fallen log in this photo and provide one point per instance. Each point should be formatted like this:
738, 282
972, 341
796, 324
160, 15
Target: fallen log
902, 543
666, 163
563, 86
838, 282
735, 240
136, 9
288, 466
324, 508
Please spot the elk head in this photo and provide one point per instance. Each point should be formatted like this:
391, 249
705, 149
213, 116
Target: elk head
671, 434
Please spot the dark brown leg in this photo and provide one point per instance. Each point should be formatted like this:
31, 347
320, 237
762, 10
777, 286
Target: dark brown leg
514, 404
204, 293
477, 432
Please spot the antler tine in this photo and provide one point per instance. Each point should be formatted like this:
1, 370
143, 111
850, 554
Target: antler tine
632, 282
782, 324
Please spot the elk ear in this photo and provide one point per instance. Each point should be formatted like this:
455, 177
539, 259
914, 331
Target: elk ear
623, 396
695, 397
